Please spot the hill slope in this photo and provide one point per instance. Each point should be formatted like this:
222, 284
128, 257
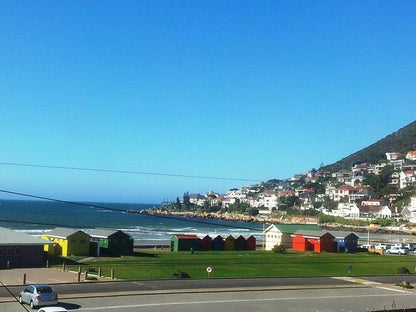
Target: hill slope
401, 141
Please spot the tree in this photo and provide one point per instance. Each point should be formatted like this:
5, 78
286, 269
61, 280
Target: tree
186, 201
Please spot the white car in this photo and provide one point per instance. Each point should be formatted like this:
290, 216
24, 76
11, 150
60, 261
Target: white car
380, 246
397, 250
53, 309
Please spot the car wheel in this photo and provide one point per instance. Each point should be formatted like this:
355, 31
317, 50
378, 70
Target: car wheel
32, 304
20, 300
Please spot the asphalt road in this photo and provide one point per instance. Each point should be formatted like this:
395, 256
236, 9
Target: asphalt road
294, 294
326, 299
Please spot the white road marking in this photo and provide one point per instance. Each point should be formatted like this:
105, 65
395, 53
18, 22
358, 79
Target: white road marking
234, 301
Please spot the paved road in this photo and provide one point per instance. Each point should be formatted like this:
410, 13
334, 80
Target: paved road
375, 297
132, 295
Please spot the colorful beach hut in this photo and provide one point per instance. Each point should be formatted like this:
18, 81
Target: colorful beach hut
206, 243
318, 241
345, 241
251, 243
240, 243
229, 243
110, 242
68, 242
184, 242
218, 243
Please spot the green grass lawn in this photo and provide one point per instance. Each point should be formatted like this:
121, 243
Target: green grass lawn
151, 264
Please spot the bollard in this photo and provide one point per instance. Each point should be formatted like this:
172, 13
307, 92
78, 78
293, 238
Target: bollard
79, 277
79, 269
112, 273
8, 264
99, 272
24, 278
63, 266
47, 263
86, 274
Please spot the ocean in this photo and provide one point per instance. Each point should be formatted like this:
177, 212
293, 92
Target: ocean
36, 217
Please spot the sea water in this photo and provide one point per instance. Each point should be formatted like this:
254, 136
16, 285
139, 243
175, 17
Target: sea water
36, 217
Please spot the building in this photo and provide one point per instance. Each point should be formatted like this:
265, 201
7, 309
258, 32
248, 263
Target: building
68, 242
411, 155
108, 242
343, 192
345, 241
317, 241
280, 234
182, 242
18, 249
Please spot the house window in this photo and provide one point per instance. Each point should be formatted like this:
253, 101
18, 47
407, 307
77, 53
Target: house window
82, 241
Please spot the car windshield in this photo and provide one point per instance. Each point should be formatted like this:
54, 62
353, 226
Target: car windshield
44, 289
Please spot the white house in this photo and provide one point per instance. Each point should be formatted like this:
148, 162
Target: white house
407, 178
349, 210
393, 156
342, 191
411, 155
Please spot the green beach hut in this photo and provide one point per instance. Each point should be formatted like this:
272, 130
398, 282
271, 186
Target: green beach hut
184, 242
110, 242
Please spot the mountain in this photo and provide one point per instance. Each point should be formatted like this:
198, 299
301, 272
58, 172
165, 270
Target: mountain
401, 141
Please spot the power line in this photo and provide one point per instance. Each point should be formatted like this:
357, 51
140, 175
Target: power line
128, 172
111, 209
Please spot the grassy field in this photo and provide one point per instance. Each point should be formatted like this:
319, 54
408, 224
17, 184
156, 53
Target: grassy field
150, 264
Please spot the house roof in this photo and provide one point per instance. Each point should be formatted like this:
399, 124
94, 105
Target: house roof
62, 232
312, 234
103, 233
347, 187
342, 234
10, 237
292, 228
186, 236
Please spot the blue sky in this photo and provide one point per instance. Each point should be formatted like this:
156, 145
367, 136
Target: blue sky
238, 89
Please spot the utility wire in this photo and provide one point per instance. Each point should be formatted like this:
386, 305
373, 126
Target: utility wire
111, 209
128, 172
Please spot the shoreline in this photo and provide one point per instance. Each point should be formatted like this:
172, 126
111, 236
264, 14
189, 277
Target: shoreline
275, 220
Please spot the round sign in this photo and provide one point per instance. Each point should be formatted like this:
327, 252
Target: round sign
209, 269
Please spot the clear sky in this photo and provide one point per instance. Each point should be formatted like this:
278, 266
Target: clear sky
250, 90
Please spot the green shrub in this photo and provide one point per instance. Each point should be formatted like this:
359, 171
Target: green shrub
279, 249
403, 270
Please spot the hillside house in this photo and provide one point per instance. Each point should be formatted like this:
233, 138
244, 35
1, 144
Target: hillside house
407, 178
197, 199
411, 155
68, 242
374, 211
343, 191
393, 156
347, 210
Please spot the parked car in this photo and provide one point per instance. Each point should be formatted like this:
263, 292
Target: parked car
367, 246
397, 250
380, 246
53, 309
38, 295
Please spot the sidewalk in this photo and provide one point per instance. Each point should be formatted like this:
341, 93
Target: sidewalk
14, 277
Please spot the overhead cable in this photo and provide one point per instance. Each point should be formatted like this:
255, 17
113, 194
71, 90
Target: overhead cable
128, 172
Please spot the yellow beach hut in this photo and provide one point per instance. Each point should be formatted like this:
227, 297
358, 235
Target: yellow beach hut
68, 242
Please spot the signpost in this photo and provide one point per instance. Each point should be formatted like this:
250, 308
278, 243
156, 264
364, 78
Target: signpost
209, 270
